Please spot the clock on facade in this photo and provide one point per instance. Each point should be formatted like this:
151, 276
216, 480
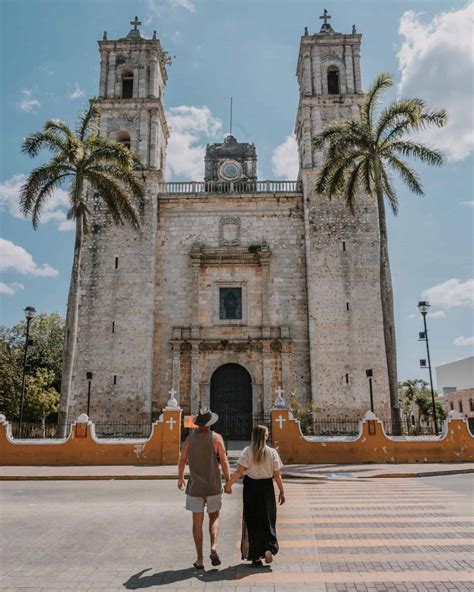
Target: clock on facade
230, 170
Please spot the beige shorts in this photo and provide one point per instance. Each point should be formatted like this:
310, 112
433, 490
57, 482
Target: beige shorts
196, 504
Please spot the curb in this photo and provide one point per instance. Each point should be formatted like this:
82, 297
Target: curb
291, 476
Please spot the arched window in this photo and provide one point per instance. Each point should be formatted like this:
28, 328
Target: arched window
451, 406
124, 138
333, 80
127, 84
460, 406
471, 404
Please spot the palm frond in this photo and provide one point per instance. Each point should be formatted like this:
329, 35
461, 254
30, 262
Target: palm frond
407, 174
382, 82
35, 183
58, 126
389, 191
352, 185
89, 122
115, 197
35, 142
398, 112
417, 150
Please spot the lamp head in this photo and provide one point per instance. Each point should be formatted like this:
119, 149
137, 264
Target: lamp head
369, 373
29, 312
423, 307
89, 375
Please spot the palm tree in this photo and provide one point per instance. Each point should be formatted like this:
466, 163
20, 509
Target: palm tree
85, 161
361, 155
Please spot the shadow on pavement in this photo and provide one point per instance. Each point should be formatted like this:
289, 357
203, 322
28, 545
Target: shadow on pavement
233, 572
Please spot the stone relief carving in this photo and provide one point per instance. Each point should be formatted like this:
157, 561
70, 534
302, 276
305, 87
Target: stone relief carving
229, 231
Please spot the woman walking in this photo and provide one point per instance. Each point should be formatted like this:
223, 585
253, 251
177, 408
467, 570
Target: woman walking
262, 464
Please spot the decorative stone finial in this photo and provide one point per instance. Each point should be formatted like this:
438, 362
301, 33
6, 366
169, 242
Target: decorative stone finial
172, 403
154, 34
83, 418
306, 31
104, 37
370, 415
354, 30
280, 402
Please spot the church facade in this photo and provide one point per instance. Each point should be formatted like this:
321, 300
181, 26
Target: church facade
234, 288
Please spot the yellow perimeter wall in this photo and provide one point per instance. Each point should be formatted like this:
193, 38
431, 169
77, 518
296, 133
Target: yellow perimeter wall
81, 447
371, 445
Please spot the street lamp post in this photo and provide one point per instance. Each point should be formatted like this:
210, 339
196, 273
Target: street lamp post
89, 381
424, 307
369, 373
29, 314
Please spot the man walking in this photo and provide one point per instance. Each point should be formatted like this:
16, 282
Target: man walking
204, 450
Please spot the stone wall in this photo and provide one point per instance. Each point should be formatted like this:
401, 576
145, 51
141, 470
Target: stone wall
116, 315
194, 257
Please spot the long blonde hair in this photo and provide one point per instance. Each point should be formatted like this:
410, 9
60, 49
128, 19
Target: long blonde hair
258, 443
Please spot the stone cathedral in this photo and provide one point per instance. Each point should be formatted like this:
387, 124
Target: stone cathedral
235, 287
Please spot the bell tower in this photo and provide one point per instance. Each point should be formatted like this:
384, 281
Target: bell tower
117, 287
132, 82
342, 249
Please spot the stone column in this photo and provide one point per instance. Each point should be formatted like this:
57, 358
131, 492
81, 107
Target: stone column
348, 61
196, 265
358, 81
306, 138
103, 75
176, 366
152, 79
318, 89
111, 77
307, 74
195, 394
267, 376
153, 140
265, 263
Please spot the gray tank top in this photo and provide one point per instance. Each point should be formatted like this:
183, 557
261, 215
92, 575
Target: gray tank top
204, 474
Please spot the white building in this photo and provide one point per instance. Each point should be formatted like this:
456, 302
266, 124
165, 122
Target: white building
455, 376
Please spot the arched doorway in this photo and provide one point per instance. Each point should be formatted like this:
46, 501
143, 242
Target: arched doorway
231, 399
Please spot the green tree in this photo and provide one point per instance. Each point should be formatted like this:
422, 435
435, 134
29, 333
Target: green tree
361, 155
86, 161
303, 412
43, 367
415, 397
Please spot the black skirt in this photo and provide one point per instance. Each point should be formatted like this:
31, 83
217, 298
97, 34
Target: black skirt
259, 519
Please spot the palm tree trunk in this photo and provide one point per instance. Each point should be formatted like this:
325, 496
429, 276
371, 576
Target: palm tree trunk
388, 318
72, 320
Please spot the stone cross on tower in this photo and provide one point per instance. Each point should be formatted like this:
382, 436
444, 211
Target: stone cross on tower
326, 16
136, 22
326, 27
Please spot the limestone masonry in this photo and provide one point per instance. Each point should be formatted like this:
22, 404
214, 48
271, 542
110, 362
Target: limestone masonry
234, 286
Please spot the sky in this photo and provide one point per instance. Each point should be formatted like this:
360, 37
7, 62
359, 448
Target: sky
248, 49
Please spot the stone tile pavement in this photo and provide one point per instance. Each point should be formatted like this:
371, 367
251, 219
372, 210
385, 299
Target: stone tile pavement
406, 535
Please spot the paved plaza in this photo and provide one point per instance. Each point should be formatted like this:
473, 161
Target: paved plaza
391, 535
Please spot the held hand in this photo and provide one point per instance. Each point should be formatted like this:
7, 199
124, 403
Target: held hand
181, 484
228, 488
281, 498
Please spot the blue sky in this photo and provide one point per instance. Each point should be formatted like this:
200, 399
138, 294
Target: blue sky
248, 49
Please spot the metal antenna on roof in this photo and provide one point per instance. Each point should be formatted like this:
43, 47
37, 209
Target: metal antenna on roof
230, 132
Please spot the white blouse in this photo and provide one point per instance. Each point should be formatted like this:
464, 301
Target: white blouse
263, 470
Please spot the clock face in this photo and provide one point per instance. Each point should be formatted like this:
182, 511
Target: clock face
230, 170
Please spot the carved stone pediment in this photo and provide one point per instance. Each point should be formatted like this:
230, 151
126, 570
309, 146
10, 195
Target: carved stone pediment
230, 254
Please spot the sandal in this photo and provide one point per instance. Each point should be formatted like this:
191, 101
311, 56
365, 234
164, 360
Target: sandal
197, 566
215, 559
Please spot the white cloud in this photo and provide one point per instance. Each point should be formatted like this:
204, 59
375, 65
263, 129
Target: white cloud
285, 161
451, 293
468, 204
77, 93
10, 289
436, 62
439, 314
187, 4
461, 341
17, 258
27, 102
54, 210
190, 128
